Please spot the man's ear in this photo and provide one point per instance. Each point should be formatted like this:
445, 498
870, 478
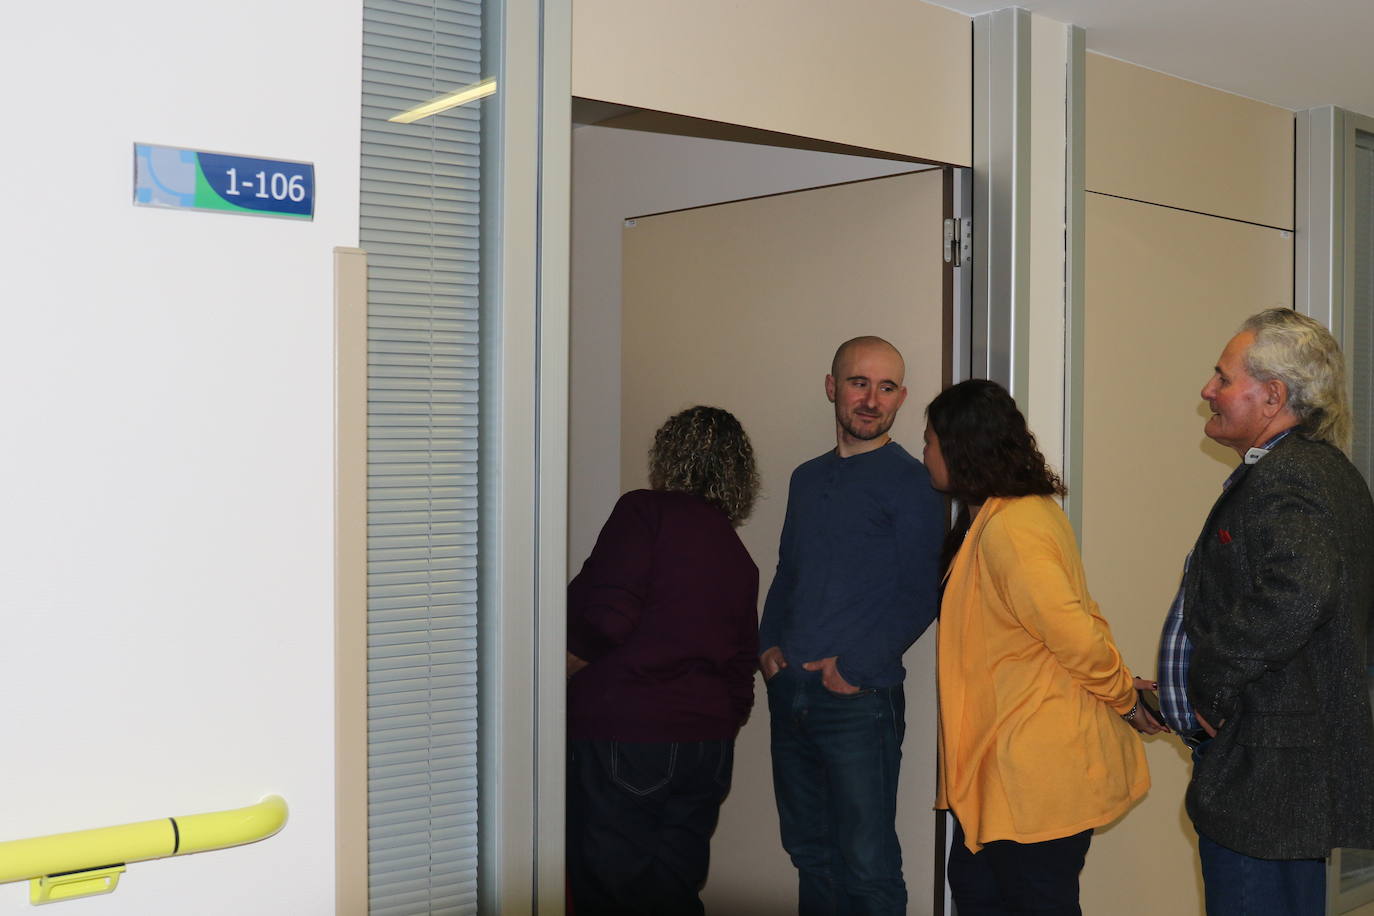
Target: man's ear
1275, 396
830, 387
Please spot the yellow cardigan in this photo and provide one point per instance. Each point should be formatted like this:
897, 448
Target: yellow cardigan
1032, 688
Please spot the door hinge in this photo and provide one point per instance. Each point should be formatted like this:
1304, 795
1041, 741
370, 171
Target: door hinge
958, 241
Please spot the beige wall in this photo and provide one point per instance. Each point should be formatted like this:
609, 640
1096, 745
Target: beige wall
1162, 139
741, 306
622, 173
890, 75
1164, 291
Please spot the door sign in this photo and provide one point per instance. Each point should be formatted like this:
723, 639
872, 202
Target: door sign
165, 176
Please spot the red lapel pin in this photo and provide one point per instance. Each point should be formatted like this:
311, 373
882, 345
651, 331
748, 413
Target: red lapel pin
1224, 535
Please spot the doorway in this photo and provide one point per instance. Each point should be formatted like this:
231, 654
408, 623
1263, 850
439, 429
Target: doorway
752, 264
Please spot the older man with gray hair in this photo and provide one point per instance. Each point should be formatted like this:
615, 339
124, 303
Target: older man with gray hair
1262, 664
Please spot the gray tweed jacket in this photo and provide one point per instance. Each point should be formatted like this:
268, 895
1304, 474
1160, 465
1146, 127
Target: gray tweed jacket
1276, 603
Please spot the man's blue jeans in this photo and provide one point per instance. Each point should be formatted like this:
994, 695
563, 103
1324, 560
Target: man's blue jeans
1239, 885
835, 765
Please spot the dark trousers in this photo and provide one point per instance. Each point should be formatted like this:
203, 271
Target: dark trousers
640, 818
1006, 877
835, 765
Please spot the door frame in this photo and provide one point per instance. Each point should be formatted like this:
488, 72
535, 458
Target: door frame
538, 817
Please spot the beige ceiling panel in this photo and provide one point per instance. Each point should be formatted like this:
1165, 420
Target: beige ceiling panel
1161, 139
1164, 291
890, 75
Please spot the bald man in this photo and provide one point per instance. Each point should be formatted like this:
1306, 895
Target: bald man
856, 584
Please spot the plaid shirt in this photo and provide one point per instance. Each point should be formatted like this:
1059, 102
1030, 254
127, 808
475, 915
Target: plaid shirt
1175, 649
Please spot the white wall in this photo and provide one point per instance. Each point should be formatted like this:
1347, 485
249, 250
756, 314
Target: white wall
165, 384
623, 173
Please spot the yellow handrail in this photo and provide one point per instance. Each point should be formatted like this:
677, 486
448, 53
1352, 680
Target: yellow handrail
68, 855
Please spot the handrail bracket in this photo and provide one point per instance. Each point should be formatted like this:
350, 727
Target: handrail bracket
72, 884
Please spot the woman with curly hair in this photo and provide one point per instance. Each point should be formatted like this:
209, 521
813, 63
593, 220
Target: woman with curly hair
1036, 706
662, 648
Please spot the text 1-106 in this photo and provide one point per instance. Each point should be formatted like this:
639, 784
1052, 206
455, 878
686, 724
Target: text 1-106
270, 186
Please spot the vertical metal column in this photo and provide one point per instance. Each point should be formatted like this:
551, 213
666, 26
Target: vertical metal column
1001, 197
961, 331
1075, 188
524, 461
1319, 265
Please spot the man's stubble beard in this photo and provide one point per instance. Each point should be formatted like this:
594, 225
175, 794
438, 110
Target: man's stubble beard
880, 430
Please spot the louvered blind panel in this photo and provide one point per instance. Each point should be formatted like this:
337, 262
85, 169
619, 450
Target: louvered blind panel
420, 219
1361, 355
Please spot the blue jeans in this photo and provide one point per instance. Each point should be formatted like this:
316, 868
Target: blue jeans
1239, 885
640, 818
835, 764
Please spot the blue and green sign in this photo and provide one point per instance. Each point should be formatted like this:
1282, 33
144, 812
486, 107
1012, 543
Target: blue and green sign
165, 176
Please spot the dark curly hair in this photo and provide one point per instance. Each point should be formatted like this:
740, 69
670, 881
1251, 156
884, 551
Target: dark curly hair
704, 450
988, 449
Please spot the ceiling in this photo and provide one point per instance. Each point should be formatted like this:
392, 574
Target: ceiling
1291, 53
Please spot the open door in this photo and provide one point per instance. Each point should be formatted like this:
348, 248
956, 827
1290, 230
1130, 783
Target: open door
741, 305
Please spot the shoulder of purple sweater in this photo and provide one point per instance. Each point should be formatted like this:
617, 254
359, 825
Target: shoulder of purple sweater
635, 509
655, 505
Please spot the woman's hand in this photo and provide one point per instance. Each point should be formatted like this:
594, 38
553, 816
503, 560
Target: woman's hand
771, 662
575, 664
1144, 721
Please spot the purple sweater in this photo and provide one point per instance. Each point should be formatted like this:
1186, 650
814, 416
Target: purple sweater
665, 613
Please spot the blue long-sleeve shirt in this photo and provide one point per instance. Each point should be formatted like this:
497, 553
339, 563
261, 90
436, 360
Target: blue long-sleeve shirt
858, 564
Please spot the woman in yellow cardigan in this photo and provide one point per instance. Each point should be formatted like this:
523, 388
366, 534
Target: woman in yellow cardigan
1036, 707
